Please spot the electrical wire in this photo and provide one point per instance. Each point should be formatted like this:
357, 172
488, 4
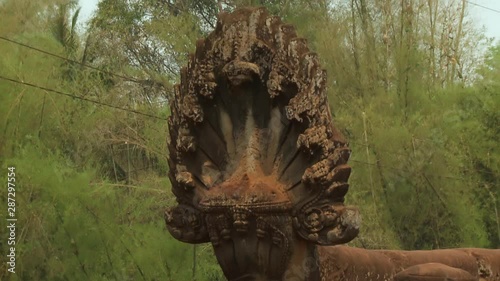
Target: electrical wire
394, 152
80, 98
408, 171
484, 7
137, 81
68, 60
165, 119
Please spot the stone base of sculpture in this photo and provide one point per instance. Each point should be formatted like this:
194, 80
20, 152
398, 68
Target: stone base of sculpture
342, 263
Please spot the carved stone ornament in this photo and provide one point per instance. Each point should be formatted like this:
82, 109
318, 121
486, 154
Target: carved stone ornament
257, 166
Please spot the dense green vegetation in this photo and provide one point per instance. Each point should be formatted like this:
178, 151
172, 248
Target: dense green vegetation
413, 85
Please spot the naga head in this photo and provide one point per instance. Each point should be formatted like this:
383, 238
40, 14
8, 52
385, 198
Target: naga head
256, 165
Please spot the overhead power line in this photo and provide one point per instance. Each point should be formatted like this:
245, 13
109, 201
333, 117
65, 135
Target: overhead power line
408, 171
80, 98
68, 60
484, 7
394, 152
165, 119
153, 116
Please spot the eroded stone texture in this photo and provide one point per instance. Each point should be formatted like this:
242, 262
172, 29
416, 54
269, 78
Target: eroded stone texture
256, 164
259, 170
432, 272
343, 263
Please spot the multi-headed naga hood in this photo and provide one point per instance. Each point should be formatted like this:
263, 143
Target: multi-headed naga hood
254, 154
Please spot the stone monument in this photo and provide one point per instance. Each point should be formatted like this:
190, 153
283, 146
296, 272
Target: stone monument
260, 171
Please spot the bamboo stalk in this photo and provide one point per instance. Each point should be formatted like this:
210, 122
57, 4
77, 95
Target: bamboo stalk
368, 160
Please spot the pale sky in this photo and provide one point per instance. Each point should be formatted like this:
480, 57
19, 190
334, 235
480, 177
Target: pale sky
88, 7
487, 16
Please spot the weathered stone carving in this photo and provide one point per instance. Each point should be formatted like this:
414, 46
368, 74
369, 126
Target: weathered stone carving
259, 170
347, 263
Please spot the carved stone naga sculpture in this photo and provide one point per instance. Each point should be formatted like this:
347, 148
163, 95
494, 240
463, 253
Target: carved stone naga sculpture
260, 171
